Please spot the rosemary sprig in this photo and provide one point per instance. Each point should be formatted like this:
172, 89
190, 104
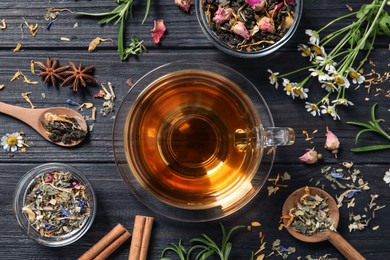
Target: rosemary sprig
371, 126
205, 246
119, 14
136, 47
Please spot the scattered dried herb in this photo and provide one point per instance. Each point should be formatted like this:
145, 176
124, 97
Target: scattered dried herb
27, 98
272, 189
32, 28
18, 47
371, 126
311, 215
279, 249
62, 128
118, 15
3, 25
95, 42
52, 72
56, 204
79, 76
249, 26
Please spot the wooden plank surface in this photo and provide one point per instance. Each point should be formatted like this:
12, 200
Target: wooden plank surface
184, 40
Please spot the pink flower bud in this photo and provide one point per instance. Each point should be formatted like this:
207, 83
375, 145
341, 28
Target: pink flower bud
222, 15
158, 30
332, 143
265, 24
240, 29
184, 5
256, 5
310, 157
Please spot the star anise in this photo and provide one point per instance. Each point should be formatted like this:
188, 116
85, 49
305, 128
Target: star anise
79, 76
51, 71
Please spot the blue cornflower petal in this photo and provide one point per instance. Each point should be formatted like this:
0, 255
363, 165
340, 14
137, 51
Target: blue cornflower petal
336, 175
66, 212
72, 103
351, 193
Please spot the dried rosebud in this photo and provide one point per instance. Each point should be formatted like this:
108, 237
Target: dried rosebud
158, 30
222, 15
240, 29
265, 24
256, 5
184, 5
332, 143
310, 157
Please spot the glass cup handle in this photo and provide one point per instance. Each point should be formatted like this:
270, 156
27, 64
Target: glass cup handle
277, 136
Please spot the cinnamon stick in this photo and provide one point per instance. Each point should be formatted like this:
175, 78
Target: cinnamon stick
108, 244
141, 236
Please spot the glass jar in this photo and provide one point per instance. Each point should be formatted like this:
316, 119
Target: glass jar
24, 187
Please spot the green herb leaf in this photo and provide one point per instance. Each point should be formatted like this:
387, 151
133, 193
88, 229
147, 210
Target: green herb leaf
371, 126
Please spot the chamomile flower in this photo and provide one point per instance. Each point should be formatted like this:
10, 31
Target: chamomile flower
386, 178
327, 62
318, 50
288, 87
356, 77
314, 36
341, 81
322, 76
11, 142
306, 51
329, 86
331, 110
342, 101
300, 91
312, 109
273, 78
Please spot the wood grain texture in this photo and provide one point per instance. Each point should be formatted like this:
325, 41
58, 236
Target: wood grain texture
184, 40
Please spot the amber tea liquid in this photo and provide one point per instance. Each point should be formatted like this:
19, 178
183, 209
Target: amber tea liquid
189, 142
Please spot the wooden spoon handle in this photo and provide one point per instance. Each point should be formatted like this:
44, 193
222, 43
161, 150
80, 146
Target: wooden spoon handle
344, 247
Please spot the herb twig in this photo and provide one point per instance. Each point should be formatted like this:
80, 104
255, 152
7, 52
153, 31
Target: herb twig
205, 246
119, 15
370, 126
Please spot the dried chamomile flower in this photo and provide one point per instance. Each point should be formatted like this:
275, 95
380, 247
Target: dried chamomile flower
11, 142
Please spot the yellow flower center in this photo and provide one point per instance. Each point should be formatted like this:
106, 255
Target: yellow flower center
354, 75
314, 107
288, 87
329, 85
339, 80
317, 50
298, 91
12, 140
306, 51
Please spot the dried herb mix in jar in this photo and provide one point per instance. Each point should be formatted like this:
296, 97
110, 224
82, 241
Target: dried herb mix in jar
56, 204
63, 128
249, 25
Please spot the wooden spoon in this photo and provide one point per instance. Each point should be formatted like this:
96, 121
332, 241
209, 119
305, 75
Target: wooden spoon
334, 237
36, 118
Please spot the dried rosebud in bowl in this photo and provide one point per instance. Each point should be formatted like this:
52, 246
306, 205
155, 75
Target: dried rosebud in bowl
249, 28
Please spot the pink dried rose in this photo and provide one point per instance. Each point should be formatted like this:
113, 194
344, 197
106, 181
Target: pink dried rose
256, 5
310, 157
158, 30
265, 24
222, 15
184, 5
332, 143
240, 29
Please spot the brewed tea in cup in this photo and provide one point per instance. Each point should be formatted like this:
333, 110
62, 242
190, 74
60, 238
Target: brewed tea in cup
194, 139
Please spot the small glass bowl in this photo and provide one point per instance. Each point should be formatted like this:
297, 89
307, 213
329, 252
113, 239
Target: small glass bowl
221, 45
22, 190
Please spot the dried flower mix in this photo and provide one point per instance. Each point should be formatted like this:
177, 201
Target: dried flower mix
311, 215
62, 128
251, 25
56, 204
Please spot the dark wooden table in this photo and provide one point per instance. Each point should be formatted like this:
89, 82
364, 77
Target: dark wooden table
184, 40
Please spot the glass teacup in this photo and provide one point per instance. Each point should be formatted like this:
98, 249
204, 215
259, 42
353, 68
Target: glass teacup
190, 140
